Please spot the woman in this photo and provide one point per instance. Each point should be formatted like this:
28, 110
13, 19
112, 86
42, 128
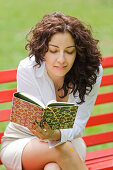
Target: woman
63, 65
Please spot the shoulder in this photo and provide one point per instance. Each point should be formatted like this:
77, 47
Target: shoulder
98, 80
100, 71
99, 74
27, 62
29, 66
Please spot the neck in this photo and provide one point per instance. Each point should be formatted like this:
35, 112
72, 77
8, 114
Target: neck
58, 81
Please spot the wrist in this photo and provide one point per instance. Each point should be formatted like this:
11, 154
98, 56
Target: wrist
56, 135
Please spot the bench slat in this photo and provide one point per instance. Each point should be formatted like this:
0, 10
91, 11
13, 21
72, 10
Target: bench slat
8, 75
93, 120
99, 153
1, 134
100, 119
104, 158
7, 95
103, 165
92, 139
107, 80
5, 115
99, 138
104, 98
107, 62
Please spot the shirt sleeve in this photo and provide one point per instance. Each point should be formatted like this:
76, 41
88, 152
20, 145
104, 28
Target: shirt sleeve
83, 114
25, 80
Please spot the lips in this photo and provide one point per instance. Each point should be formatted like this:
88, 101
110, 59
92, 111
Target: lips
60, 67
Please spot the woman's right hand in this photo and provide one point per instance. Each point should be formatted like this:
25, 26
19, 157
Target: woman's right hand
46, 132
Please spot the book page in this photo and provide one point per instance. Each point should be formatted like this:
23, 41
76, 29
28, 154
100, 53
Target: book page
29, 98
51, 102
55, 103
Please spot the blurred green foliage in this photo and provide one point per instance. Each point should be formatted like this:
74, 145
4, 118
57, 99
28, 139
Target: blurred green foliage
18, 17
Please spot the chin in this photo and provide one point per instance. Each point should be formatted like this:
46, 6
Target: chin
60, 75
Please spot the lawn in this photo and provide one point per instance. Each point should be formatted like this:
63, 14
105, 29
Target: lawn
17, 18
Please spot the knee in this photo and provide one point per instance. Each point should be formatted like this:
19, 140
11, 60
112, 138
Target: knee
51, 166
80, 147
67, 154
64, 151
67, 148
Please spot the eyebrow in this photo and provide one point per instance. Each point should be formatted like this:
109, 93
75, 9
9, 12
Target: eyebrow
58, 47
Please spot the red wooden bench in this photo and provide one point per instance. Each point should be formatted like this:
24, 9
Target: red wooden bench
95, 160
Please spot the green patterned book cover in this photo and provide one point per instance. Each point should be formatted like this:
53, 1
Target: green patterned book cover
27, 110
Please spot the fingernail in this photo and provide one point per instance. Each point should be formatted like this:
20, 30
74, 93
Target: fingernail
44, 123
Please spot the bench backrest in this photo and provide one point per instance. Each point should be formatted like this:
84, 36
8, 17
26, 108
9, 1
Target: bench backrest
94, 139
103, 98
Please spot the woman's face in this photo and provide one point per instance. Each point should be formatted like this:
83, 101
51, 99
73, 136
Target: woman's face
60, 55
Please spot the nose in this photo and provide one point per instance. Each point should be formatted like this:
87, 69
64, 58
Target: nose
61, 58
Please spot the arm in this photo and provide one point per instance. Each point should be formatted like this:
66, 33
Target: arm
26, 82
25, 79
83, 114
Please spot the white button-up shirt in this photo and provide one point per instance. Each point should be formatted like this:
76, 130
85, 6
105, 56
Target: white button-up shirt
35, 81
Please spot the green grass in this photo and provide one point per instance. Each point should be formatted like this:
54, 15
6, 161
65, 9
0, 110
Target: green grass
2, 167
17, 18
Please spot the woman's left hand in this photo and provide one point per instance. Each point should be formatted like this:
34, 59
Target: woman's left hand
46, 132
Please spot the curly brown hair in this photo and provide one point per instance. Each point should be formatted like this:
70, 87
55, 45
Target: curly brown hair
83, 73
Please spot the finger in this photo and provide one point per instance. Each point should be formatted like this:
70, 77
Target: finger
41, 132
38, 134
47, 127
38, 130
35, 133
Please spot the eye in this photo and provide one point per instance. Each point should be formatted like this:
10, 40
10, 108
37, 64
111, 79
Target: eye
69, 52
53, 51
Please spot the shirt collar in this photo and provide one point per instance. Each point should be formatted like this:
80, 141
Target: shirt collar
40, 69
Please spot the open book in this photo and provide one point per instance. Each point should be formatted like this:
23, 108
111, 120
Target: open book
27, 110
